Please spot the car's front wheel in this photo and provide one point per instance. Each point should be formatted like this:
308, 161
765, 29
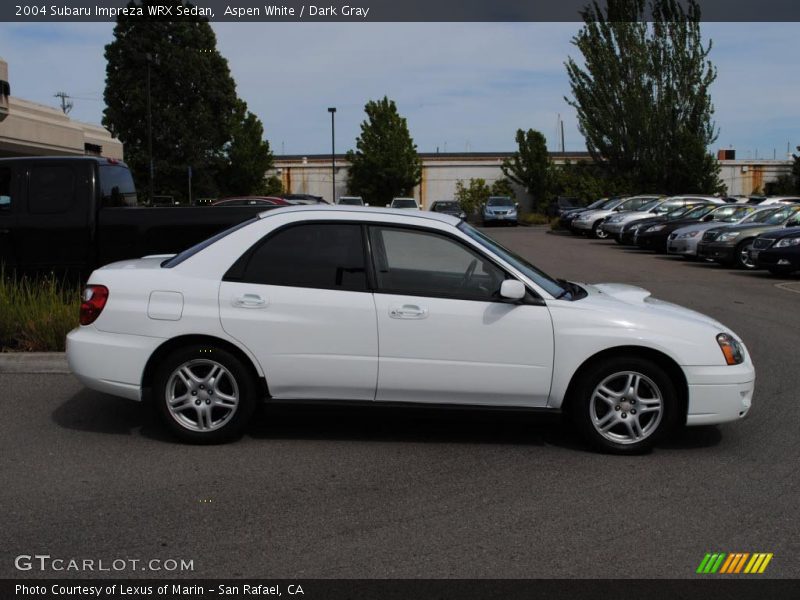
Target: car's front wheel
624, 405
205, 395
598, 232
742, 256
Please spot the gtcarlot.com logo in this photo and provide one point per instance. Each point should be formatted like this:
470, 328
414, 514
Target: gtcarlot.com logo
734, 563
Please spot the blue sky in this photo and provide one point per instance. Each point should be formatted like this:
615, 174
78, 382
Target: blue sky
462, 86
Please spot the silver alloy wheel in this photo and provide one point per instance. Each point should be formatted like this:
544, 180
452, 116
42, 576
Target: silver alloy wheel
626, 407
202, 395
744, 256
600, 233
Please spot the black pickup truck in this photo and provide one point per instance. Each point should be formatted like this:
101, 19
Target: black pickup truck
72, 214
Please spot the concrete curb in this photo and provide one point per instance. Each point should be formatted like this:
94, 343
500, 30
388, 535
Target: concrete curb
33, 362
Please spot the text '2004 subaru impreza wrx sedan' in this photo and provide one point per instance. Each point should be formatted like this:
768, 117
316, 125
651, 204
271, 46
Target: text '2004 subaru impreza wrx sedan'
385, 306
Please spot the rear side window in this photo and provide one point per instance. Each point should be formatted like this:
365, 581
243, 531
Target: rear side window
315, 255
5, 188
116, 186
52, 189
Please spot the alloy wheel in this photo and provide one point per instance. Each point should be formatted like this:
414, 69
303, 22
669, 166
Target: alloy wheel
202, 395
626, 407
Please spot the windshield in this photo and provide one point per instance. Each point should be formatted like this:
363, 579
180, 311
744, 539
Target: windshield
695, 212
649, 205
759, 216
500, 201
780, 215
442, 206
405, 203
598, 203
539, 277
731, 214
667, 206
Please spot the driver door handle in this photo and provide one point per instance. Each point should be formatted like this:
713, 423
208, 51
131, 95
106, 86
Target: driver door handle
408, 311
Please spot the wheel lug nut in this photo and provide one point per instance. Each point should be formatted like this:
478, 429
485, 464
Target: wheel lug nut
633, 401
616, 407
197, 402
208, 401
624, 415
194, 393
633, 411
202, 387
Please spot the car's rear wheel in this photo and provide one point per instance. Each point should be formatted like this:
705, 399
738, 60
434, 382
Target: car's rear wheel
205, 395
624, 405
742, 255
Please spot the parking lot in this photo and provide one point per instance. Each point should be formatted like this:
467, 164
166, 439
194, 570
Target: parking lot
330, 492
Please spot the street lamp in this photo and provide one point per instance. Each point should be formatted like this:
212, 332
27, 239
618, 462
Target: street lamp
149, 59
332, 110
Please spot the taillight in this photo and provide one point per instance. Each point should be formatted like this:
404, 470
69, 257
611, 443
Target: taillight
94, 300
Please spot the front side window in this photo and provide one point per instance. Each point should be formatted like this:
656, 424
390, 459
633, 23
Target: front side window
5, 188
314, 255
423, 263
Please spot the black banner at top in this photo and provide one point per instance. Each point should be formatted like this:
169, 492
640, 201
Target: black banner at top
369, 11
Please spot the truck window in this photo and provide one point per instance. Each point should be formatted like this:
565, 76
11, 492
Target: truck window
116, 186
5, 188
52, 189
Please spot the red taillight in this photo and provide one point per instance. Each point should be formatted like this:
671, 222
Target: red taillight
94, 300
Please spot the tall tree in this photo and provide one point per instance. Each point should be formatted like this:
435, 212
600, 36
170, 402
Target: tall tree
530, 165
192, 94
385, 163
248, 156
642, 94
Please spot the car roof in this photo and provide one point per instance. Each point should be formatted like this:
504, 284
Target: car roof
361, 211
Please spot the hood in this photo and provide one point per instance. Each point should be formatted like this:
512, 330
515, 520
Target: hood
777, 234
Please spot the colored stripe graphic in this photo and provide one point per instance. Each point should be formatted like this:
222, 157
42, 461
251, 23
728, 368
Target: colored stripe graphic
734, 563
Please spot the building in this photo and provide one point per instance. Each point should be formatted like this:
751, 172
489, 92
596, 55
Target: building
440, 171
31, 129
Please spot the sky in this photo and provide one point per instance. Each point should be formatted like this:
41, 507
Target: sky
461, 86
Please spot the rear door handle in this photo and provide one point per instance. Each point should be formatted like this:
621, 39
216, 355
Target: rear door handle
250, 301
408, 311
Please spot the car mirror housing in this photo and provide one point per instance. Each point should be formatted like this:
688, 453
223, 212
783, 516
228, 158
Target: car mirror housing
512, 289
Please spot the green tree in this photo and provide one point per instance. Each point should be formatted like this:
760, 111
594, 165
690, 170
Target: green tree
248, 156
796, 171
502, 187
530, 165
385, 163
642, 94
473, 195
193, 99
587, 181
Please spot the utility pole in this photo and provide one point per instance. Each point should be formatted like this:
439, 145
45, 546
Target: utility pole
149, 58
66, 104
332, 110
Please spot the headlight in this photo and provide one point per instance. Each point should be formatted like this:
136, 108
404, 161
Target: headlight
513, 211
689, 234
655, 228
787, 242
614, 219
727, 237
731, 349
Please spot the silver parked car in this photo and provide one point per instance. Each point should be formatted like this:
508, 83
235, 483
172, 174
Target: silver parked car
684, 241
613, 225
590, 220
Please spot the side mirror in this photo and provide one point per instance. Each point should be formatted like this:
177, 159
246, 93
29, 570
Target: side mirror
512, 289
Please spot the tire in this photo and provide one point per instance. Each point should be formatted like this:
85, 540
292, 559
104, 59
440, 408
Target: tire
741, 255
597, 232
603, 401
215, 390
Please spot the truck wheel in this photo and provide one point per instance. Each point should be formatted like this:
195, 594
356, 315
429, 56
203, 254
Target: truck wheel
204, 395
623, 405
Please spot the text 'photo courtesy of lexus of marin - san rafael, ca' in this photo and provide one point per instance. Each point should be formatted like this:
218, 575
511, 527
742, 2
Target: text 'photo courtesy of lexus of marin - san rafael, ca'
382, 306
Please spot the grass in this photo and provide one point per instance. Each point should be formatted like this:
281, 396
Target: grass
534, 219
36, 314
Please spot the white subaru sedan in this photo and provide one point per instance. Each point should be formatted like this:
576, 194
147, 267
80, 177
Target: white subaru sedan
382, 306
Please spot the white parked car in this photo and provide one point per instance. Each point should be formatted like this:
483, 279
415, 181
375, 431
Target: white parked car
391, 306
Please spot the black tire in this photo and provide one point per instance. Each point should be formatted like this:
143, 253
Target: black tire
651, 426
596, 233
739, 261
235, 380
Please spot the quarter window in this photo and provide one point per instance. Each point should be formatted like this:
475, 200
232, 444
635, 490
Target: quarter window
5, 188
422, 263
316, 255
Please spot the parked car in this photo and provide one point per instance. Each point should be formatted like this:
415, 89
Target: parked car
449, 207
589, 222
404, 203
71, 214
730, 245
566, 219
684, 241
263, 201
779, 200
351, 201
654, 237
614, 224
777, 251
500, 209
303, 199
290, 306
630, 232
561, 205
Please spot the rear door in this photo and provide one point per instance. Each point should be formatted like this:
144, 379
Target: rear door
299, 300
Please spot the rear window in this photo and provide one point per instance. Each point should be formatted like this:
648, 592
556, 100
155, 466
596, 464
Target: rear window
116, 186
189, 252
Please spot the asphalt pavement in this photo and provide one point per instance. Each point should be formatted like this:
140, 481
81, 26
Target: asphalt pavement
334, 492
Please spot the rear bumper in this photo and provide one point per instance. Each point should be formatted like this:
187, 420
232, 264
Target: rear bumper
112, 363
718, 252
719, 394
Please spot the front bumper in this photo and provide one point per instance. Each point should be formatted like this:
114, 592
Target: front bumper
613, 229
582, 225
682, 246
719, 252
719, 394
777, 258
111, 363
656, 242
494, 218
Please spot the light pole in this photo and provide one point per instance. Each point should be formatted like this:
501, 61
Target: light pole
149, 58
332, 110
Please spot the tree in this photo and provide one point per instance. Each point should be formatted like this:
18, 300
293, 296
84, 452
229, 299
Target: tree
195, 113
642, 95
248, 156
472, 196
530, 165
796, 171
502, 187
385, 164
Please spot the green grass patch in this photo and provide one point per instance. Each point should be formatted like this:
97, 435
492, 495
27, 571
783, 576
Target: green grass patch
37, 313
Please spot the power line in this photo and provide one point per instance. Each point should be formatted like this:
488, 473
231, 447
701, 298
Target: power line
66, 104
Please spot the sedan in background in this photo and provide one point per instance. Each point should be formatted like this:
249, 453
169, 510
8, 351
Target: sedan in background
500, 209
654, 237
303, 199
683, 241
630, 232
407, 203
449, 207
777, 251
731, 245
396, 307
614, 225
589, 222
265, 201
351, 201
566, 218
